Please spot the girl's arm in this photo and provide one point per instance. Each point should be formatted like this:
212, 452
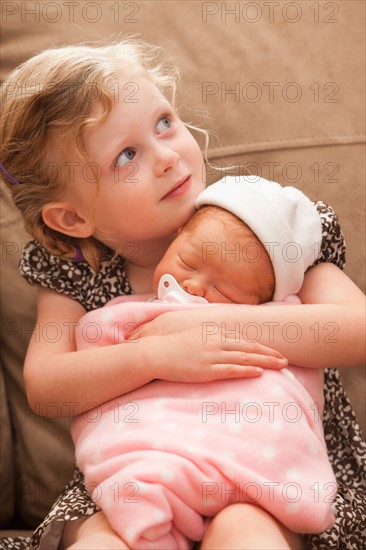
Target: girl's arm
75, 381
328, 330
54, 372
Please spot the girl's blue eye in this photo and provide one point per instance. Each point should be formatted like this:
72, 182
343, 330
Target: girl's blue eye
163, 124
126, 156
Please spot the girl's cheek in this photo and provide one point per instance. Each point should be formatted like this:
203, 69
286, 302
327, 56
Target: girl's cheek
191, 143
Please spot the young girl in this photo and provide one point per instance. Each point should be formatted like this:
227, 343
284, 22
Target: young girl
104, 173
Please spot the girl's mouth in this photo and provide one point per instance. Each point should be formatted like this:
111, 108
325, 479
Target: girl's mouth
179, 188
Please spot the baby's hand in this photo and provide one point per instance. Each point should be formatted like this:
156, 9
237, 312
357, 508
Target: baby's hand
180, 349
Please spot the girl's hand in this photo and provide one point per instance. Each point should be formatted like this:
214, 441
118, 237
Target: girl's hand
182, 348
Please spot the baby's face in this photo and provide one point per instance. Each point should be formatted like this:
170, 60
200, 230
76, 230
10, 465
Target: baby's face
208, 261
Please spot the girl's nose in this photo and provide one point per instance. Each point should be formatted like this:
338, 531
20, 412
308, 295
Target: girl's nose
194, 286
165, 158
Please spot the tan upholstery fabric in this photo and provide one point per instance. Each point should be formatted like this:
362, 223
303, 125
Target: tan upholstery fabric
40, 456
283, 88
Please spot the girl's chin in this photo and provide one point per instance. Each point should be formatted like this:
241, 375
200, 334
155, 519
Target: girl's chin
188, 213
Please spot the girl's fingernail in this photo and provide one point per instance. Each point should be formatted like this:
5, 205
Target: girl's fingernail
283, 362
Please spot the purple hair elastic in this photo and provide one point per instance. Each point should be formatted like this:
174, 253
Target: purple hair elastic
78, 256
8, 176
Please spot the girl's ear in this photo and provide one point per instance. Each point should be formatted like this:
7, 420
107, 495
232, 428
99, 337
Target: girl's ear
63, 217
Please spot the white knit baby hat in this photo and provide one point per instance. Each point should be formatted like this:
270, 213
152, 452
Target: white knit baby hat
283, 218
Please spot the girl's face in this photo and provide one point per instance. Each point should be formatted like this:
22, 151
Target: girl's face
150, 168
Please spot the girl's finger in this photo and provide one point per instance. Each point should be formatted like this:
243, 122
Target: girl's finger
252, 348
256, 359
228, 370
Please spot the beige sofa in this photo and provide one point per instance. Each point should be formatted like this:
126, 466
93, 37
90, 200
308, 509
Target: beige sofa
281, 84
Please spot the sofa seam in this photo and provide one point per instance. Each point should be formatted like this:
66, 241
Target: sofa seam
293, 143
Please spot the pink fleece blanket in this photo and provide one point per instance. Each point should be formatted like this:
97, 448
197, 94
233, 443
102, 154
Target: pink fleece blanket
164, 459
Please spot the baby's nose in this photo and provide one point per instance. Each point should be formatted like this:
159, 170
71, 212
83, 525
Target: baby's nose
194, 286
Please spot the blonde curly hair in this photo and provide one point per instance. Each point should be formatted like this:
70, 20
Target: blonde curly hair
49, 94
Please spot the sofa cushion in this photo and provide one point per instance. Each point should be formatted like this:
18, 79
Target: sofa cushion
38, 460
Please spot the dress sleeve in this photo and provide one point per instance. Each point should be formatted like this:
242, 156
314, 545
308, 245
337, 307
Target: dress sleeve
75, 278
333, 247
40, 267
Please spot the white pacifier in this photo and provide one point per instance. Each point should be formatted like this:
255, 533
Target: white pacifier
170, 291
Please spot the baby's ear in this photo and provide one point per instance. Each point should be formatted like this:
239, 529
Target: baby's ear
63, 217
